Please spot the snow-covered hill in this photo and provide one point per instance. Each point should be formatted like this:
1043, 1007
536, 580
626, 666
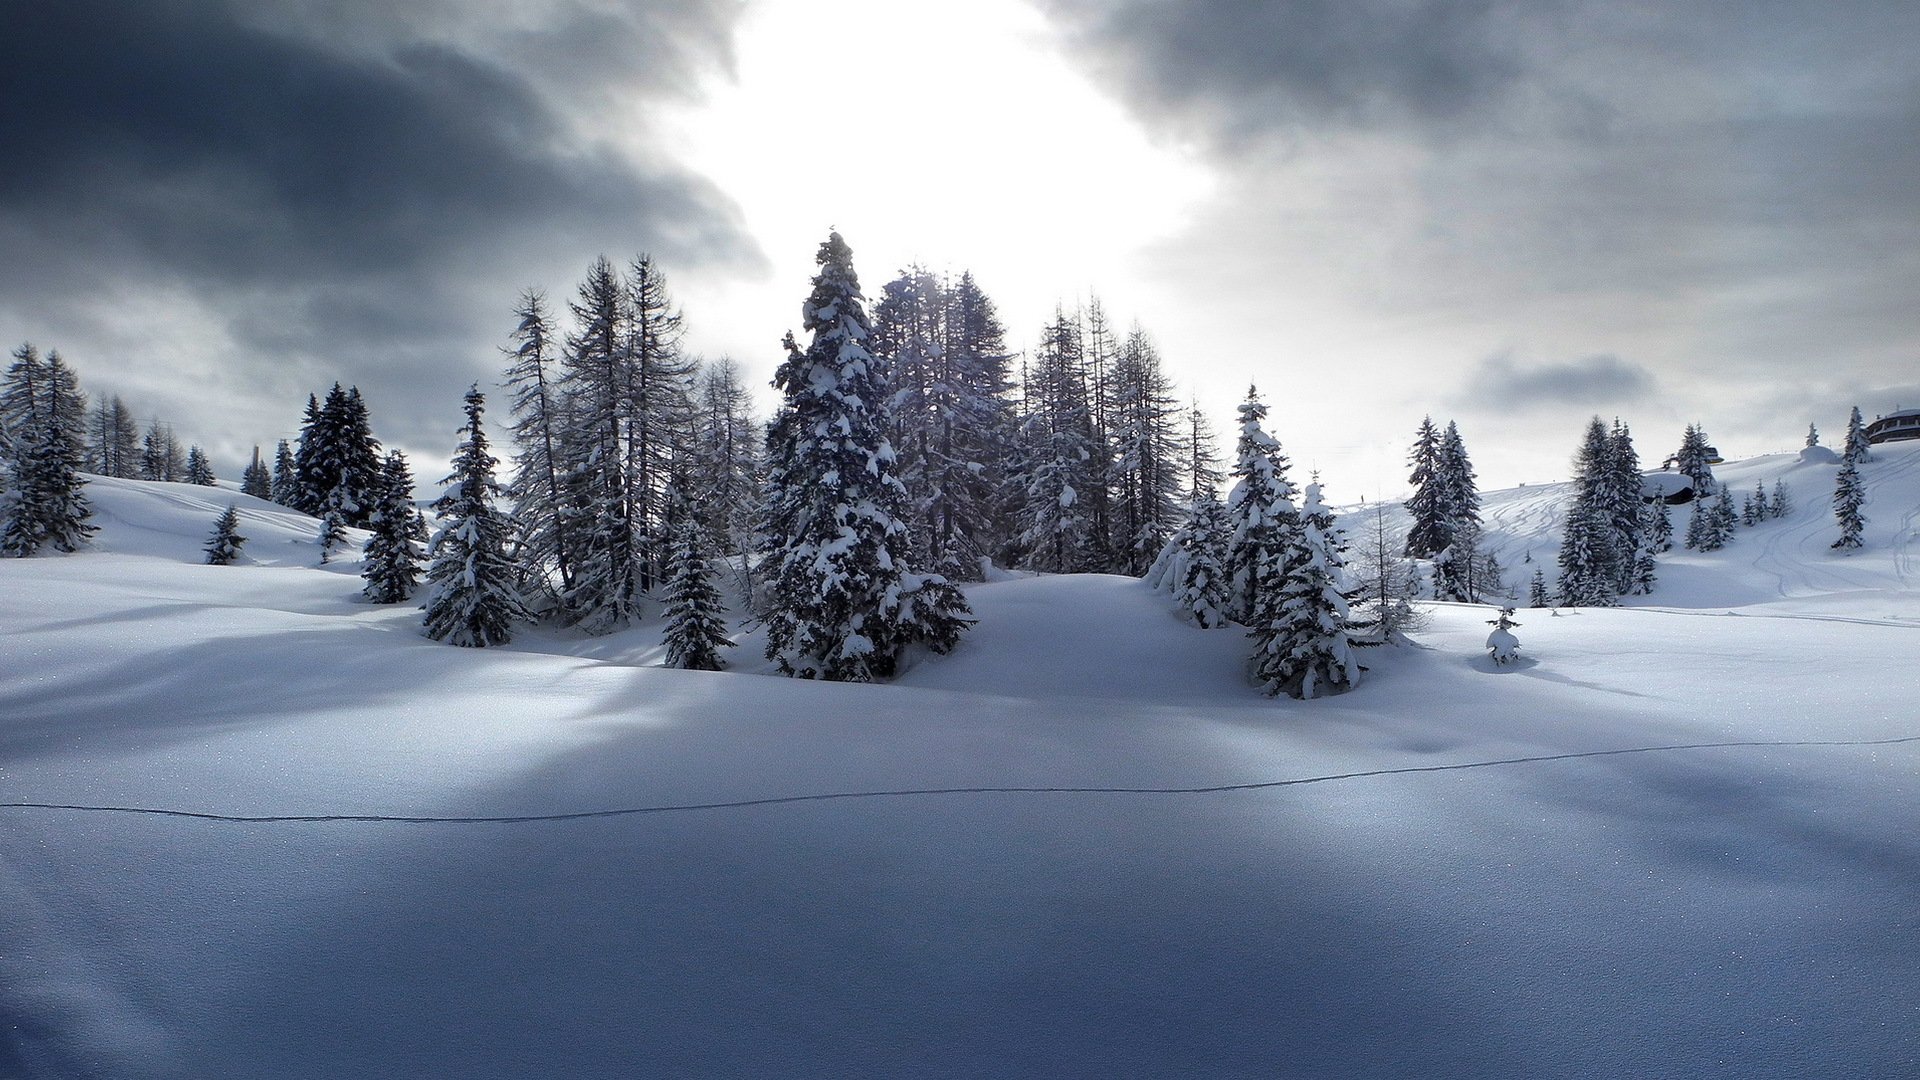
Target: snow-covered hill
1782, 565
1677, 840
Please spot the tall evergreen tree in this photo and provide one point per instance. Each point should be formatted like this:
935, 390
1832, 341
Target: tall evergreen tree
1193, 565
1848, 497
392, 556
199, 470
658, 398
696, 628
44, 413
474, 601
285, 488
1064, 461
608, 561
842, 604
1813, 435
538, 492
1857, 450
1691, 460
1146, 436
308, 485
1263, 517
1429, 533
224, 546
1623, 495
1590, 555
1781, 504
1300, 630
1203, 455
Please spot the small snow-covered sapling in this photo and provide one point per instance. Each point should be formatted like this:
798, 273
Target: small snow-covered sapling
1501, 644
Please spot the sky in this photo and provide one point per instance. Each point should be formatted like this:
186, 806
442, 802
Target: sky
1513, 216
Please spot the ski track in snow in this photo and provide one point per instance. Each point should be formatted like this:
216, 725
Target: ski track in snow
835, 796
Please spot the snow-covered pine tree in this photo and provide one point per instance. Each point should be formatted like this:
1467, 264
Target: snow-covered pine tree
1753, 508
658, 398
1459, 569
1300, 629
1386, 586
696, 628
1857, 450
976, 449
392, 556
726, 464
608, 561
1590, 557
332, 535
1057, 530
1848, 497
1691, 461
1100, 347
309, 487
1262, 515
1813, 435
1699, 521
153, 453
537, 492
1537, 596
286, 486
474, 601
1199, 580
1659, 525
1720, 522
1429, 532
257, 480
842, 605
199, 471
1145, 476
1643, 568
224, 546
21, 401
1203, 454
1623, 495
1781, 504
45, 415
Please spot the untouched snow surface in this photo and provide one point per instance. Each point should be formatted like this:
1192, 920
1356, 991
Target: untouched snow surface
1675, 840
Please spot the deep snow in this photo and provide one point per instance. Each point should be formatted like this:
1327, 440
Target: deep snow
1743, 909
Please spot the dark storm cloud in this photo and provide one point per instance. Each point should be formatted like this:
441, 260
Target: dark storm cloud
1245, 67
338, 188
1501, 384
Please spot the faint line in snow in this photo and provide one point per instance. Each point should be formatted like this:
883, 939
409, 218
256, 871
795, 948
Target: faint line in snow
832, 796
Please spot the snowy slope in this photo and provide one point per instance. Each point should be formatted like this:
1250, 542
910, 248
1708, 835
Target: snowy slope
1676, 841
1783, 565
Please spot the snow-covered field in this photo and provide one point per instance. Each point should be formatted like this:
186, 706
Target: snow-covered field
1678, 840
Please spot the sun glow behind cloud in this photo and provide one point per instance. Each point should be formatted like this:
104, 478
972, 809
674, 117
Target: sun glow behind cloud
951, 135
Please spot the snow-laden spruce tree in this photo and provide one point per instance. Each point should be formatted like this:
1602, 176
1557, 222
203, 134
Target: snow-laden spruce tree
1691, 461
1659, 525
1721, 519
474, 600
44, 413
286, 483
1192, 566
391, 566
695, 615
1781, 504
1537, 595
224, 546
1857, 450
1261, 513
199, 470
1813, 435
1624, 497
1753, 507
1300, 623
1429, 531
1590, 555
842, 604
1699, 523
1848, 496
1065, 458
